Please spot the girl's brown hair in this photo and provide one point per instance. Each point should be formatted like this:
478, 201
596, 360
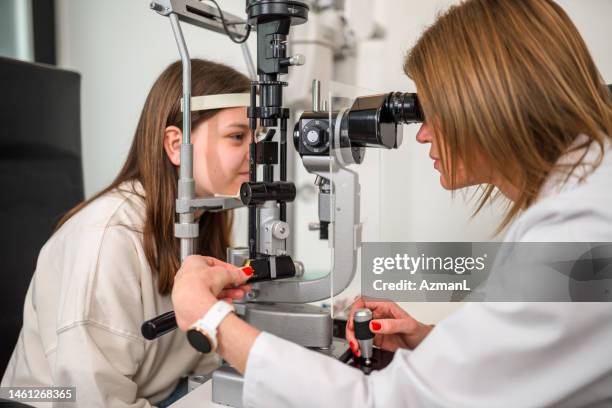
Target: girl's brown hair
148, 164
511, 82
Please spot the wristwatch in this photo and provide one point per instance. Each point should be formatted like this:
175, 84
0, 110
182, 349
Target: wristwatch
202, 335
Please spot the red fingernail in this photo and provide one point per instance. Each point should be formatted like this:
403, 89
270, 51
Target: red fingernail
375, 325
353, 346
248, 270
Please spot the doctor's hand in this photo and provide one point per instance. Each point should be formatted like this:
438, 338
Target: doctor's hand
393, 328
200, 282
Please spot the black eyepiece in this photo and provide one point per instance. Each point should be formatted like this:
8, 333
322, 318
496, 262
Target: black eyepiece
404, 107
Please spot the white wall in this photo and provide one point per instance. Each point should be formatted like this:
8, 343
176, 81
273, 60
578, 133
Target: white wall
120, 47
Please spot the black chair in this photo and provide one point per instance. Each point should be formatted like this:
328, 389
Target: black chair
41, 176
4, 403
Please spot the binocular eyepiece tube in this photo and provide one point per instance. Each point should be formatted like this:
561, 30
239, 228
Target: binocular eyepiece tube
372, 121
404, 107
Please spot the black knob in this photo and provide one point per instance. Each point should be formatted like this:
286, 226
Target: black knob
158, 326
363, 334
260, 192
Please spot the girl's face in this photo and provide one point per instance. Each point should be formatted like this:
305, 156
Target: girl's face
221, 153
462, 178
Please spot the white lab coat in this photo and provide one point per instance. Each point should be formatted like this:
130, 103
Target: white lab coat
485, 354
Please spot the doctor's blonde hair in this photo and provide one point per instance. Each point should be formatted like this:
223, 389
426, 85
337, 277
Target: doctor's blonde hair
513, 83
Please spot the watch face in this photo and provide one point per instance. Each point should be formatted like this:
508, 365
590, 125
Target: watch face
199, 341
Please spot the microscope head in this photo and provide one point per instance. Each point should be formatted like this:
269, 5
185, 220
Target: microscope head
371, 122
272, 19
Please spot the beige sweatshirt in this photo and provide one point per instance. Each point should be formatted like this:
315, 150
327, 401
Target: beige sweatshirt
91, 291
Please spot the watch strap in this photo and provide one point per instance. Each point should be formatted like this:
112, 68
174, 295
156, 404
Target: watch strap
202, 335
215, 315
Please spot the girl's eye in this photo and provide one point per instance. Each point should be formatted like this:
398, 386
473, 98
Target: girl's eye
237, 137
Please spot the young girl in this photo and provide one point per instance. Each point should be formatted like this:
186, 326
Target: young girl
110, 265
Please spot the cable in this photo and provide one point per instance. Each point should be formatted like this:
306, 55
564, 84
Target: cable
226, 29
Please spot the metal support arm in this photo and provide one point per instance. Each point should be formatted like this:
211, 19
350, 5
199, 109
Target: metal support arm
345, 237
201, 15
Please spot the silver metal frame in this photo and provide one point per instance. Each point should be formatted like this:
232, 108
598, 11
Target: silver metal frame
345, 237
303, 324
200, 14
205, 16
345, 227
186, 229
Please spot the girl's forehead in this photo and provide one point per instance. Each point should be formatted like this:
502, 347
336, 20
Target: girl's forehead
229, 119
233, 117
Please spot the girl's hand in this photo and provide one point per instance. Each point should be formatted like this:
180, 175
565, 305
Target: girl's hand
198, 285
393, 328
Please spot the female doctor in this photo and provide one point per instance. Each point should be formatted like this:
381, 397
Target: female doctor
514, 102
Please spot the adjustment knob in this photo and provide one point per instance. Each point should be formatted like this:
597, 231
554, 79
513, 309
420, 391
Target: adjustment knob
297, 60
315, 137
363, 334
280, 230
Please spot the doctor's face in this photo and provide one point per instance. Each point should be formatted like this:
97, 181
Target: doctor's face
443, 162
221, 153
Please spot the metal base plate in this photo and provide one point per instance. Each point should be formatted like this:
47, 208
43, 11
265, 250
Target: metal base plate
227, 382
306, 325
227, 386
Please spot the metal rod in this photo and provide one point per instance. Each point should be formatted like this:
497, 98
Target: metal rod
268, 175
252, 241
316, 95
186, 165
186, 185
283, 149
283, 164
